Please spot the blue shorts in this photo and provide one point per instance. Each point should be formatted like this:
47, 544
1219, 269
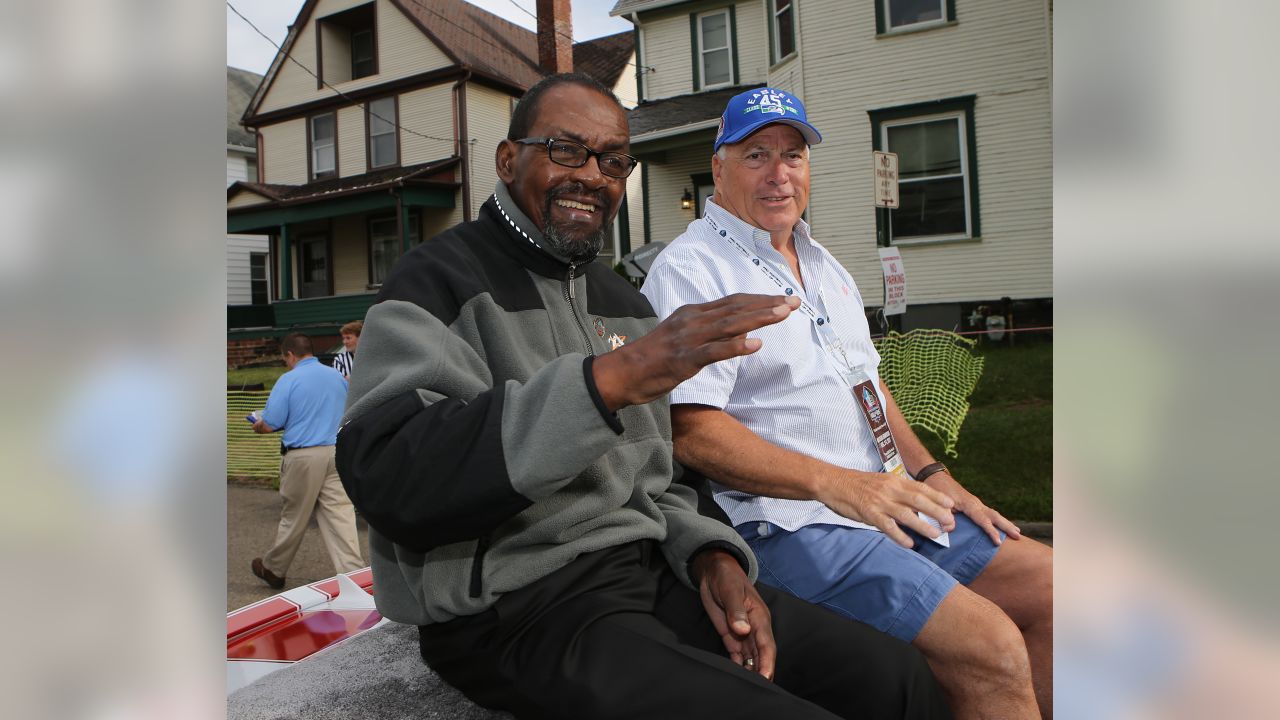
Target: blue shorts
864, 575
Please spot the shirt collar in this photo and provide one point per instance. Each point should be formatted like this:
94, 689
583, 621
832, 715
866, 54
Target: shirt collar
741, 227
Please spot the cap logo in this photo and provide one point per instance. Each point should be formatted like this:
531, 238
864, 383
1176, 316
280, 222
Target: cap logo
769, 101
720, 130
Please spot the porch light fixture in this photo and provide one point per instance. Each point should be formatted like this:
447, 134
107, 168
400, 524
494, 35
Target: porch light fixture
686, 201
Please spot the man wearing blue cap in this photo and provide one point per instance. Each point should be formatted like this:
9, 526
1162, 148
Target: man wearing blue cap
809, 455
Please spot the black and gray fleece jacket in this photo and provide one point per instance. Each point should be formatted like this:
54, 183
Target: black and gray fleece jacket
475, 442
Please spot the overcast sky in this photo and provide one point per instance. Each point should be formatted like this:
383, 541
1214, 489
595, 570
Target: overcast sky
248, 50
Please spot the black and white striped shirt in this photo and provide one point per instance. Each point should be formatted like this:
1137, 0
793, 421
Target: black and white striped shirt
344, 361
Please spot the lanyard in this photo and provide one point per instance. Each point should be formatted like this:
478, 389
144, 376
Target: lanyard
830, 342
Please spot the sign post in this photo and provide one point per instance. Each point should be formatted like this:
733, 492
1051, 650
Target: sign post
885, 165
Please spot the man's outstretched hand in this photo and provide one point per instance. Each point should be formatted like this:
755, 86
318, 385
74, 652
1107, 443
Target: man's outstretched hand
692, 338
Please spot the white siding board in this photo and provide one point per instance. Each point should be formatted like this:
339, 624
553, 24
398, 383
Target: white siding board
488, 115
752, 39
996, 52
285, 152
239, 247
350, 254
403, 50
667, 51
351, 141
667, 183
245, 198
429, 114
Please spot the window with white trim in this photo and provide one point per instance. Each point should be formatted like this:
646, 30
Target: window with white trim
715, 54
784, 28
381, 126
894, 15
324, 148
933, 176
259, 285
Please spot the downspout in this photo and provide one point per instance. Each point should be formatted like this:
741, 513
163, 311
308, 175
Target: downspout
464, 141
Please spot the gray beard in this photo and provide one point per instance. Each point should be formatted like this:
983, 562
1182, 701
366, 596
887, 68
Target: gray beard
575, 248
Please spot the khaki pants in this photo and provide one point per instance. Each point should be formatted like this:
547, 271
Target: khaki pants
309, 482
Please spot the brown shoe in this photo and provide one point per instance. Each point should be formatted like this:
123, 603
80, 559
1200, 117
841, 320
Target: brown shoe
267, 576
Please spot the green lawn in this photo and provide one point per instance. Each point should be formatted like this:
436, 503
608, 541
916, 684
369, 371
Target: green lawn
1006, 442
250, 376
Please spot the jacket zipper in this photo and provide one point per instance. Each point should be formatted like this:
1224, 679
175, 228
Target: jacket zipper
477, 566
568, 296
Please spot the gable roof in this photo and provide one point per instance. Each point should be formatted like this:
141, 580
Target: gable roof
241, 85
478, 40
604, 58
630, 6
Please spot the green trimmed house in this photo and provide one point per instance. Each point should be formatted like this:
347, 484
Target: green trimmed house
376, 132
951, 86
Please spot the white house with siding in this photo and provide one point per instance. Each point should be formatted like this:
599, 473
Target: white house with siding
380, 135
959, 89
246, 254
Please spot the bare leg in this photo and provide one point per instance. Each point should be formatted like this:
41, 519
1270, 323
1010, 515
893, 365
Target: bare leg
1019, 580
979, 658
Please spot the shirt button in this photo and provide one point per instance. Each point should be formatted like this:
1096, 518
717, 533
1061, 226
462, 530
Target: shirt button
821, 321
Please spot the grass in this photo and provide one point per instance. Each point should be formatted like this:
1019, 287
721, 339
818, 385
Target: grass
1006, 442
251, 376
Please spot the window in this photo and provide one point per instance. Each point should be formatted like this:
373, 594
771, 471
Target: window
314, 267
893, 15
782, 29
384, 245
258, 285
323, 139
937, 170
381, 120
362, 53
714, 59
347, 45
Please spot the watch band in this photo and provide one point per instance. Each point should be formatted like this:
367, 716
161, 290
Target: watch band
930, 469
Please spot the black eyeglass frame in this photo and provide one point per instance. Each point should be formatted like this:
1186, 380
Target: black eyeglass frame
548, 141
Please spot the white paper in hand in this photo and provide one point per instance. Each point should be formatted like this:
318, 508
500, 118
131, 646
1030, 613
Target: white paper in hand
945, 538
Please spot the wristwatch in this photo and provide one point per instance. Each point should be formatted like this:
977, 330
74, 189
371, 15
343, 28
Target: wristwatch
930, 469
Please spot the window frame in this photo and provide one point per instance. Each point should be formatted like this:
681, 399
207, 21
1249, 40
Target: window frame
414, 226
776, 57
368, 132
961, 108
304, 239
883, 16
363, 17
731, 36
265, 279
312, 173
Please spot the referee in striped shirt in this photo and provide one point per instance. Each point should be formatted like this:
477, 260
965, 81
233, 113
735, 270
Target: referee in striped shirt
345, 361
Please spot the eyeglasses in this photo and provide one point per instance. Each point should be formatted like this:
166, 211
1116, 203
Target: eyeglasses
571, 154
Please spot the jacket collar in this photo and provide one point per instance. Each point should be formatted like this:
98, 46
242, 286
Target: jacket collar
525, 242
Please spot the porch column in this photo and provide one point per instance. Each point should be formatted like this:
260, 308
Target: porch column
402, 220
286, 265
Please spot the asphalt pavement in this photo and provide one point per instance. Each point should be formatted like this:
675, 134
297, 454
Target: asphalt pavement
253, 512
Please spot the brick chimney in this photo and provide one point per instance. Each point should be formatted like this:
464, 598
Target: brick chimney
555, 36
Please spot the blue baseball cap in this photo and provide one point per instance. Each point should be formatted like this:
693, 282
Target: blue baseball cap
749, 111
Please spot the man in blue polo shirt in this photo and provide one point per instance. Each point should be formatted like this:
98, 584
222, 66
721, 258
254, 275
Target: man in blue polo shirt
306, 403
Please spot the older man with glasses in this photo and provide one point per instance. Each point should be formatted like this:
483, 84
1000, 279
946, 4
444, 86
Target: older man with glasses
516, 471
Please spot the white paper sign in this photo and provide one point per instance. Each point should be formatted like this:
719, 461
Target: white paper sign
895, 281
886, 175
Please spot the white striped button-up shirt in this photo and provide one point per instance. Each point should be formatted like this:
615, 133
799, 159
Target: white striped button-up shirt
790, 392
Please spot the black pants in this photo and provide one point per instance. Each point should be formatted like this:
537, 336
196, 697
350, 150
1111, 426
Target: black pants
615, 635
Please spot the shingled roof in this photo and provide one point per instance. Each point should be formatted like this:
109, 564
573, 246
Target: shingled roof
604, 58
241, 85
674, 112
488, 44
